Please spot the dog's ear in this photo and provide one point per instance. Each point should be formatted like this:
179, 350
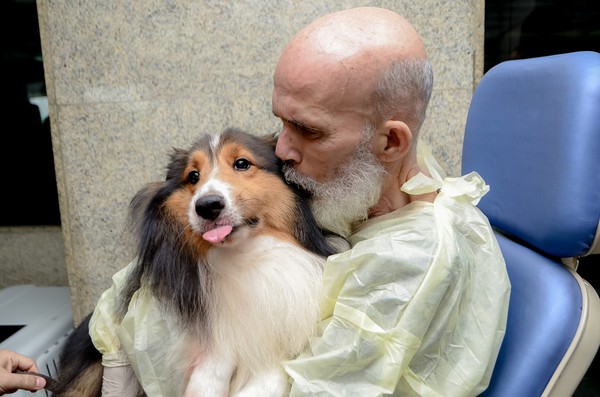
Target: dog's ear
141, 201
138, 209
270, 139
179, 160
164, 261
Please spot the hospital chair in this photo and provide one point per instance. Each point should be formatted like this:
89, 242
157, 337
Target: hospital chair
533, 133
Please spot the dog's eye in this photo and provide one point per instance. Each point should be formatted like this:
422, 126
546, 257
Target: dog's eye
193, 177
241, 164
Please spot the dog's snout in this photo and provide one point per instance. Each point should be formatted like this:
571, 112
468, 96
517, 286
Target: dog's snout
209, 207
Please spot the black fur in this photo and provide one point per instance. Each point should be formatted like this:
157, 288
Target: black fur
165, 262
78, 355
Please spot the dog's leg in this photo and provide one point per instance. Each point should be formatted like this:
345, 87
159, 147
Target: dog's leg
210, 376
266, 384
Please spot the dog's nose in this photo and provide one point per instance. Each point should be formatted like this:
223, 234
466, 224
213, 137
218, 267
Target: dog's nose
209, 207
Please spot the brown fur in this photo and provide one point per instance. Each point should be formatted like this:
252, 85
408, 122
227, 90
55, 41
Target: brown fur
89, 383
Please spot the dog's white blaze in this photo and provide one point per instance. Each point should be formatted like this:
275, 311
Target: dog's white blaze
214, 143
213, 185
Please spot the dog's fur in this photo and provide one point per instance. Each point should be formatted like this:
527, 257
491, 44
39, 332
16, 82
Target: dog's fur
248, 298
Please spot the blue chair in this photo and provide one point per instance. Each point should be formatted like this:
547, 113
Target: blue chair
533, 133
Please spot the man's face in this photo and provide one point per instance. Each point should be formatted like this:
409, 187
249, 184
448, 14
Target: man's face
313, 140
344, 200
324, 142
323, 112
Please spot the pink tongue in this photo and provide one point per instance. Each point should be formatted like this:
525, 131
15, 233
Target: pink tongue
217, 235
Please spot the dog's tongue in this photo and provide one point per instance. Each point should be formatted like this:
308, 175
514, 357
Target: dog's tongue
217, 235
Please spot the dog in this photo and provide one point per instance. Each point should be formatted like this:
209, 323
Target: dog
234, 254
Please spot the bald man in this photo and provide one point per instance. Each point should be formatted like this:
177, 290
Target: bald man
353, 80
417, 306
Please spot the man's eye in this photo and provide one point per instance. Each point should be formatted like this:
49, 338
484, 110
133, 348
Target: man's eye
309, 133
241, 164
193, 177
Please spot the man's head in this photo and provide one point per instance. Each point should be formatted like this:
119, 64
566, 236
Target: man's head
352, 85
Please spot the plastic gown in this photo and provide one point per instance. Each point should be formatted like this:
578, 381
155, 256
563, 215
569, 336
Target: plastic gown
417, 306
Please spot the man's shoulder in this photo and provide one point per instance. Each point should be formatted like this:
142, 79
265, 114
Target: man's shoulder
408, 239
421, 231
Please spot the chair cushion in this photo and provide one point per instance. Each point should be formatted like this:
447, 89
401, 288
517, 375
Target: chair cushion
527, 112
544, 315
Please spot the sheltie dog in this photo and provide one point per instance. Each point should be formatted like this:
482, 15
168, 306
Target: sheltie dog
234, 253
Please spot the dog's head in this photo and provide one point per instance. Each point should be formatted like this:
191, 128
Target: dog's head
230, 187
223, 190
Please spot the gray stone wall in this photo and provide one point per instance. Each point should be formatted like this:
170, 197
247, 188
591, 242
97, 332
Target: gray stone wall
128, 80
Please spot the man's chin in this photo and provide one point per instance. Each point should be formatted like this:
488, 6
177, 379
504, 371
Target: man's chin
306, 185
344, 200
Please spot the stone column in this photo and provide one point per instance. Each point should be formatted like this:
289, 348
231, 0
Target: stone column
129, 80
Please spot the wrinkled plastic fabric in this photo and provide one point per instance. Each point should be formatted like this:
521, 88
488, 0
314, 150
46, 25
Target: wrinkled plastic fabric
417, 307
146, 339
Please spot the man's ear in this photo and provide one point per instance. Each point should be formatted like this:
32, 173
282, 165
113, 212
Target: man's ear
393, 141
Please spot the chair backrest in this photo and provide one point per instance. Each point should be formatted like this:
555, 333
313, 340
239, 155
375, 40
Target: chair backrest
533, 133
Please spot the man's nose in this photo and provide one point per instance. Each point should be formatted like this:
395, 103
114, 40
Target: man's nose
285, 149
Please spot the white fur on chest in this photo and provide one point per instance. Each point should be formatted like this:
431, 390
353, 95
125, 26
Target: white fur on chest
264, 306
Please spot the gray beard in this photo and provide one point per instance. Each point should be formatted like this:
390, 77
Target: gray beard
344, 200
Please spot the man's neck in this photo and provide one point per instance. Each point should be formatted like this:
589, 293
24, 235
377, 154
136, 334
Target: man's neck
392, 197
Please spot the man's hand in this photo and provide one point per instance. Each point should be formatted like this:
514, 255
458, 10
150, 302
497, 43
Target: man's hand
11, 382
